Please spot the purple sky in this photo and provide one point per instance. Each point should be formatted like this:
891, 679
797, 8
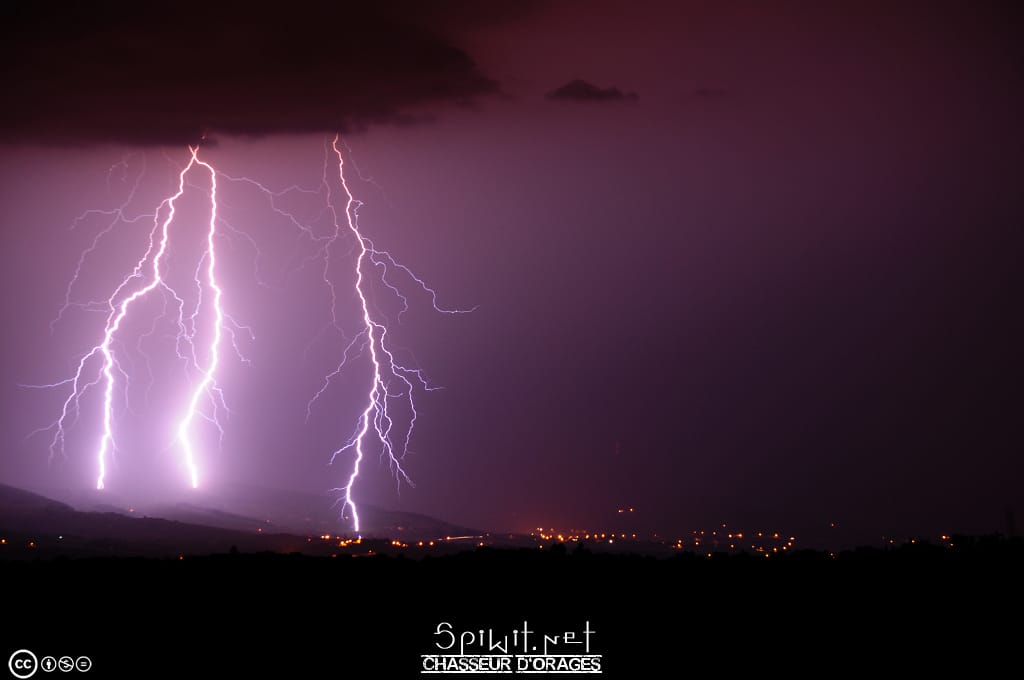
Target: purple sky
781, 285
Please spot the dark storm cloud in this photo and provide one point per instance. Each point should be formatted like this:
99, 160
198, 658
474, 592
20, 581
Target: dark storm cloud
170, 72
581, 90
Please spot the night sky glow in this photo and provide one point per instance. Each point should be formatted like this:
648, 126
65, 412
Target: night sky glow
740, 264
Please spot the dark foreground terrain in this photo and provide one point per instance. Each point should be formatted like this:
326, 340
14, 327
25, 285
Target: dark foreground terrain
915, 608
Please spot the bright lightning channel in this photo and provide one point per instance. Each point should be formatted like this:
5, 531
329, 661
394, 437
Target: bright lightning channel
149, 269
375, 421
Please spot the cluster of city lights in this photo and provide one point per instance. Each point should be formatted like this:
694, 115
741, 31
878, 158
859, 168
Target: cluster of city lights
576, 535
699, 540
702, 542
339, 541
762, 542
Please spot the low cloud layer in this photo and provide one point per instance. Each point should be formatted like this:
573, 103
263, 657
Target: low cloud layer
164, 73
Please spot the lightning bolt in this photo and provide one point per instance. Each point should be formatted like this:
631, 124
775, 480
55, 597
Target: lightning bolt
149, 272
375, 421
393, 384
208, 375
